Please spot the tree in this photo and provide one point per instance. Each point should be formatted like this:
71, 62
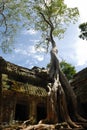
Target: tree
50, 18
13, 15
67, 69
16, 14
83, 31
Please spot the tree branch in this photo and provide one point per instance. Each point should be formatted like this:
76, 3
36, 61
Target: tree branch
45, 19
4, 18
51, 29
46, 5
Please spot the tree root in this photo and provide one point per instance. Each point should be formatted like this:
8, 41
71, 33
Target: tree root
80, 118
73, 124
42, 126
38, 127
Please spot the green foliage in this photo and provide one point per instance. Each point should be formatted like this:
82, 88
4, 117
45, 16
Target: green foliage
15, 14
55, 13
83, 31
67, 69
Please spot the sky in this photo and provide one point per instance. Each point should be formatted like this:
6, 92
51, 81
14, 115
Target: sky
71, 48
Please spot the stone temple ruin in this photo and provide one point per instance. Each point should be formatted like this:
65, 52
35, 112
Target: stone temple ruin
79, 85
23, 93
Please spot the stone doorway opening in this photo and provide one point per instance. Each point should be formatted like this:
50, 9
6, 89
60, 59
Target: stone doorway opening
84, 110
21, 112
41, 111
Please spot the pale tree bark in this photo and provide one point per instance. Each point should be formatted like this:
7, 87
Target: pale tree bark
57, 95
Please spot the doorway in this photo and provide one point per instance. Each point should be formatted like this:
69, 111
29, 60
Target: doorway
84, 110
41, 111
21, 112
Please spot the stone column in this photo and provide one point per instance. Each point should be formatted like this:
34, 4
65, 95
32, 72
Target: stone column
33, 110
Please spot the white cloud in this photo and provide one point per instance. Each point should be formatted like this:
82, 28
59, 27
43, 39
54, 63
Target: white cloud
28, 63
21, 51
29, 50
39, 57
81, 52
41, 49
80, 46
34, 40
30, 32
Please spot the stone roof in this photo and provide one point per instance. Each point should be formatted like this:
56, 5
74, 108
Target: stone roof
23, 80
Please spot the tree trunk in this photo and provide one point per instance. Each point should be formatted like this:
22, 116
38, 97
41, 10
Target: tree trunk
71, 97
59, 91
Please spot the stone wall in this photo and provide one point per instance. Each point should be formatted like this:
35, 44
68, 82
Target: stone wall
22, 92
79, 84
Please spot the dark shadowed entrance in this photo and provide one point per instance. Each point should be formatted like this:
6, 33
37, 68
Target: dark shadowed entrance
21, 112
41, 111
84, 110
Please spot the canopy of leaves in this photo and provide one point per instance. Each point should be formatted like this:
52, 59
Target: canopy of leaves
67, 69
35, 14
83, 31
55, 13
13, 13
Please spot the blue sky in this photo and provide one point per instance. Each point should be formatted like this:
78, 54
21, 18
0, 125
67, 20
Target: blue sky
72, 49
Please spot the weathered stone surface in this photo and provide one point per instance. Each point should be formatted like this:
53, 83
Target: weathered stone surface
80, 85
38, 75
29, 89
22, 92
